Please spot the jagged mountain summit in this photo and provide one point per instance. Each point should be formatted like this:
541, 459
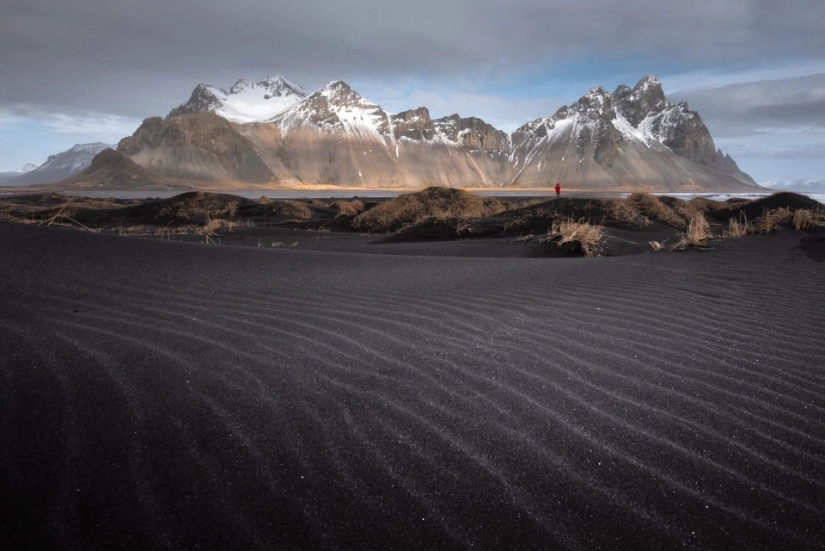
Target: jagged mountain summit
337, 108
61, 165
632, 138
335, 136
246, 101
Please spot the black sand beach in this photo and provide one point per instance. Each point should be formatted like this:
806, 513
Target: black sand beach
158, 394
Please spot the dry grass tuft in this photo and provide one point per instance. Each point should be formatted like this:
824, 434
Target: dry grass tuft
641, 209
653, 208
772, 220
622, 210
697, 235
738, 228
353, 207
580, 236
291, 210
431, 203
199, 205
806, 219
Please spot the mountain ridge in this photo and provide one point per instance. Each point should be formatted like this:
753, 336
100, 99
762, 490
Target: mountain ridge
60, 165
632, 138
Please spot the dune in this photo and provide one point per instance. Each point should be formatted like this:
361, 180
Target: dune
161, 394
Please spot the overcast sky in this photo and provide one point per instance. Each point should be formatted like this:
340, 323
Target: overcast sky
90, 70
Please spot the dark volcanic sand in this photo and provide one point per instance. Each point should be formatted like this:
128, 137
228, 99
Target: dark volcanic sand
174, 395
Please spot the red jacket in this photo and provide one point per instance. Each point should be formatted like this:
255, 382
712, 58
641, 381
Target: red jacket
558, 188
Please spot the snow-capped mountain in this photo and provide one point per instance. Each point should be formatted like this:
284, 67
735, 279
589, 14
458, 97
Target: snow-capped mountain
26, 168
60, 166
246, 101
803, 186
338, 109
9, 175
632, 136
337, 136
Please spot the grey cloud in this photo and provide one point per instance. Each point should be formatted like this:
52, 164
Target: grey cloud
139, 58
745, 109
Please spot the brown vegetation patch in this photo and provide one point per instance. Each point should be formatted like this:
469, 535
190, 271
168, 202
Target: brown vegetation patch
352, 207
806, 219
583, 236
738, 227
430, 203
697, 235
772, 220
654, 208
577, 237
197, 206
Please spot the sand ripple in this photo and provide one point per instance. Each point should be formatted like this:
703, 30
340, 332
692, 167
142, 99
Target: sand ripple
186, 396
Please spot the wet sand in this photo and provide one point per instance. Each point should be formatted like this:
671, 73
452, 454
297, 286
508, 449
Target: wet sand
161, 394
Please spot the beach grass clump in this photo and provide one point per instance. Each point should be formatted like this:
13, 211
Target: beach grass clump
772, 220
580, 236
291, 210
626, 212
738, 227
807, 219
353, 207
437, 203
653, 208
197, 206
697, 235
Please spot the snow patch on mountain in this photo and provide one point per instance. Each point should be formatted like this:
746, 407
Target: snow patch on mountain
60, 166
74, 160
337, 108
246, 101
26, 168
804, 186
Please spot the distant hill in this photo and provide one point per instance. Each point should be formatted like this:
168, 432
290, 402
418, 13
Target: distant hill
60, 166
11, 175
802, 186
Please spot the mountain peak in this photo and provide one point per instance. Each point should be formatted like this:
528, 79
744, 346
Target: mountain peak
28, 167
274, 84
247, 101
84, 147
647, 82
337, 88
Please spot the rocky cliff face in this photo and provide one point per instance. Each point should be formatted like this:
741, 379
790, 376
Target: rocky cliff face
335, 136
631, 138
110, 169
199, 146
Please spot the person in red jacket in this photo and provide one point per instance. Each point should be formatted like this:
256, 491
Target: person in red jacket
558, 189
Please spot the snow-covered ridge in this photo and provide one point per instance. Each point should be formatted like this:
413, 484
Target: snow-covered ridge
73, 160
337, 108
246, 101
640, 115
26, 168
